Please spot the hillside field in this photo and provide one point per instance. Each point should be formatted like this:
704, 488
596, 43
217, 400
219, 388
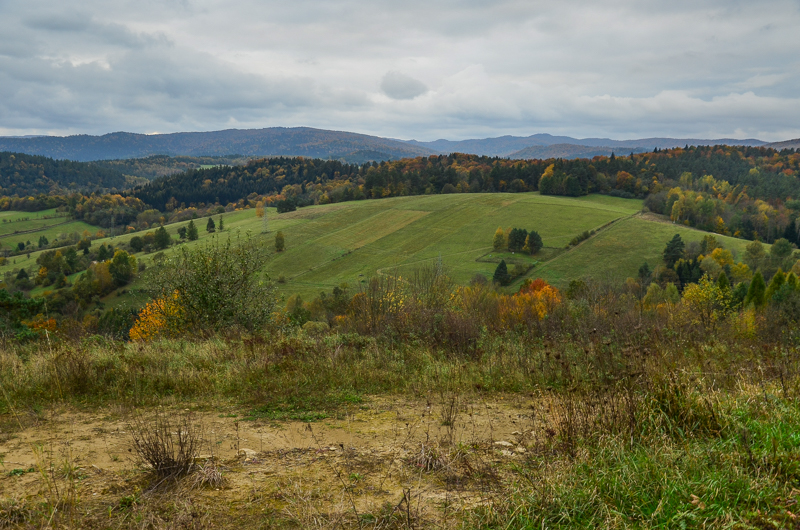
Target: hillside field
30, 226
348, 242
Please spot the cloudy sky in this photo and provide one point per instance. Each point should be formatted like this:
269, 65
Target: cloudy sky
403, 68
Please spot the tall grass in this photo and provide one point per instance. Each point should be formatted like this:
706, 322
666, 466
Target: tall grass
639, 419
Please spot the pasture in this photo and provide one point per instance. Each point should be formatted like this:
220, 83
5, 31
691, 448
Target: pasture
622, 248
346, 243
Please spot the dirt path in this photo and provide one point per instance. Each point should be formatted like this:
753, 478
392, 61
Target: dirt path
377, 459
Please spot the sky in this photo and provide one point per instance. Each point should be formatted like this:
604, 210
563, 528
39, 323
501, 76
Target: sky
408, 69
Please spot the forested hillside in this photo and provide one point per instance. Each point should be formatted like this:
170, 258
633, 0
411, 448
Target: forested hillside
156, 166
276, 141
747, 192
25, 175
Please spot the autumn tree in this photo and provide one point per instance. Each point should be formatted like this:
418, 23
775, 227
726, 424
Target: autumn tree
499, 241
706, 301
211, 287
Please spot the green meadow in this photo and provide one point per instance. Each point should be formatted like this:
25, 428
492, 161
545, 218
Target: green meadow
622, 248
18, 227
346, 243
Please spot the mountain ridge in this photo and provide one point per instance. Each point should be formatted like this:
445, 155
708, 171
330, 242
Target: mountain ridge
327, 144
274, 141
509, 146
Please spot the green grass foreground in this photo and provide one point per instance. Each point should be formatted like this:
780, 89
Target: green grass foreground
631, 429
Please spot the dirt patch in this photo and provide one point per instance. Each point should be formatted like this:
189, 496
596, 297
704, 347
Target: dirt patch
385, 463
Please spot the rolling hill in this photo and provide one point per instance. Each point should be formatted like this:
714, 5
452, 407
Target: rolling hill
350, 242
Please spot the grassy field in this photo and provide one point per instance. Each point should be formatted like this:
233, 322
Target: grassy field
620, 250
347, 243
29, 226
51, 232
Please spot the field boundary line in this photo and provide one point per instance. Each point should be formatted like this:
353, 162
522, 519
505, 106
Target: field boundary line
37, 229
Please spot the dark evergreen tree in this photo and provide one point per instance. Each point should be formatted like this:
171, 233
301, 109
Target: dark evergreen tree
221, 225
191, 231
136, 243
534, 242
182, 232
572, 187
280, 243
645, 274
104, 253
211, 227
689, 271
775, 284
43, 242
790, 233
739, 294
674, 251
756, 292
516, 239
501, 275
162, 239
723, 283
287, 205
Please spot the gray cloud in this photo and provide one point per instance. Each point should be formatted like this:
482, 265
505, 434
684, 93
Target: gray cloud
456, 68
400, 86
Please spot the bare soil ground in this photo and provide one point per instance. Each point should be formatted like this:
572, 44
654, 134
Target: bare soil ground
384, 463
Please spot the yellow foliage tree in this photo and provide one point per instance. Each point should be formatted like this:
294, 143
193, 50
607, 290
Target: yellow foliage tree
158, 318
498, 243
706, 302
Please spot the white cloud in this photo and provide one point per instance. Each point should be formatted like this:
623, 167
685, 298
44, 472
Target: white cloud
456, 68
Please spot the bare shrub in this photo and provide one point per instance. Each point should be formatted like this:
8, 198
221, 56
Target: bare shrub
429, 458
209, 475
166, 445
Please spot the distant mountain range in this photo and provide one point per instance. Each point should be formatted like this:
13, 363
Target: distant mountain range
277, 141
788, 144
320, 143
549, 146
